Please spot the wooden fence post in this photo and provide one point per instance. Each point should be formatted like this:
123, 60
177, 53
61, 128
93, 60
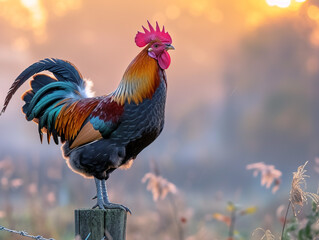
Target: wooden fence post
109, 224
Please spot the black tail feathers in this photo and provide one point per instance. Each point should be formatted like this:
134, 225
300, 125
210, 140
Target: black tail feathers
62, 70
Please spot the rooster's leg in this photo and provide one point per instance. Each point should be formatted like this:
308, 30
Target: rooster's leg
107, 203
104, 192
99, 196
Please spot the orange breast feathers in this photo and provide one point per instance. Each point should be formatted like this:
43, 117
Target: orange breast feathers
139, 81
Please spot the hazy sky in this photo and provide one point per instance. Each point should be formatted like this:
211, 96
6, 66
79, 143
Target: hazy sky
98, 37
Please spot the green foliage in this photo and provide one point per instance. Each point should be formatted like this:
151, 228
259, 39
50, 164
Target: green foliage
235, 213
306, 231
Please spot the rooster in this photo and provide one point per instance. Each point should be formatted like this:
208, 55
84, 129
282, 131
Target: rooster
100, 134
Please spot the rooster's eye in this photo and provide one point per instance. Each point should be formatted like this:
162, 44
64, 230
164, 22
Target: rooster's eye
156, 45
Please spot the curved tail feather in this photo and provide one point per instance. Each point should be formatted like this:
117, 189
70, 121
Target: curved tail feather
58, 105
39, 81
63, 70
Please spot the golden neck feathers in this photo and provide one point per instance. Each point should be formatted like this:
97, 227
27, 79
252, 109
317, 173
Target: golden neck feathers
139, 81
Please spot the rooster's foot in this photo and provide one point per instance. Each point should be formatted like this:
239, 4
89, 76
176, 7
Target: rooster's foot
116, 206
99, 205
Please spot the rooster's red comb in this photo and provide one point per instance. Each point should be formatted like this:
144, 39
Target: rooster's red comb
142, 39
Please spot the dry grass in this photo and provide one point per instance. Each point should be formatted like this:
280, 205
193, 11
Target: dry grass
265, 234
270, 176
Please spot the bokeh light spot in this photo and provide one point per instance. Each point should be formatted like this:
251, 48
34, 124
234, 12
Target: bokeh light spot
279, 3
313, 12
30, 3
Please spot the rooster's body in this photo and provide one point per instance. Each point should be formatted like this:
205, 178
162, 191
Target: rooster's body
100, 134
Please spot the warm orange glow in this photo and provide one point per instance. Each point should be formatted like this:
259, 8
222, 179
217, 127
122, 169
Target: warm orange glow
313, 12
62, 7
37, 16
254, 19
30, 3
279, 3
33, 15
284, 3
260, 11
196, 8
172, 12
159, 17
215, 15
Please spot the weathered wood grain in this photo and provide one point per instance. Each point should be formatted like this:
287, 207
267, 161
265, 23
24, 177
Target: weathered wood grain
107, 224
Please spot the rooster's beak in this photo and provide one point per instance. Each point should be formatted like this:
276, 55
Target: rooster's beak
169, 47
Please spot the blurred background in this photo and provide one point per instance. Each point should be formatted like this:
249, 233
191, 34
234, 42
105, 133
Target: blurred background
243, 87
